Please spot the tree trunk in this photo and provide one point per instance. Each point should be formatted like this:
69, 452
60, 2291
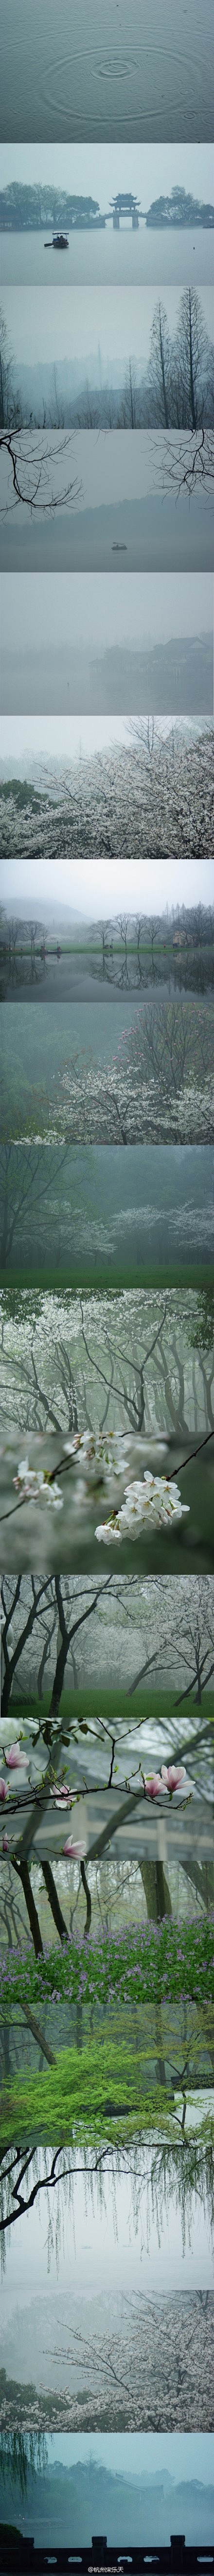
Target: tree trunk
53, 1900
156, 1890
88, 1900
6, 2048
192, 396
22, 1872
58, 1679
166, 414
79, 2024
37, 2033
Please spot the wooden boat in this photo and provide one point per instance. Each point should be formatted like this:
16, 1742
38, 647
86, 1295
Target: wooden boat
59, 242
117, 549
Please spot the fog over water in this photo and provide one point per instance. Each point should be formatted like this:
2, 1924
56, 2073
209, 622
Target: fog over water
75, 642
111, 259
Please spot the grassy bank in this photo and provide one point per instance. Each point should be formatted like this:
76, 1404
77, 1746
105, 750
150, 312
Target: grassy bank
87, 1707
181, 1275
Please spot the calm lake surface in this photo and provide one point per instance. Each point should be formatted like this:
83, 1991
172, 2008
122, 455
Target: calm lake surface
149, 535
112, 258
86, 72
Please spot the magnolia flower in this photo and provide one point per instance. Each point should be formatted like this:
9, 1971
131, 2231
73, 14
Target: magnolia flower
171, 1778
74, 1851
168, 1778
33, 1481
16, 1760
5, 1843
62, 1795
153, 1498
153, 1785
3, 1791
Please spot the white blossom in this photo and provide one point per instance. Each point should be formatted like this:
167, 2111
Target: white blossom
154, 1498
33, 1482
98, 1457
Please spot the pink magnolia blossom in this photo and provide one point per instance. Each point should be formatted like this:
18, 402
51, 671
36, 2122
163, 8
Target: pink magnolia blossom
172, 1778
5, 1842
16, 1760
3, 1791
154, 1785
74, 1851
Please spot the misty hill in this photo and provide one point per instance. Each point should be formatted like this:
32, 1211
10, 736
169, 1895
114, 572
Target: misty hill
128, 676
149, 537
55, 913
175, 674
73, 2502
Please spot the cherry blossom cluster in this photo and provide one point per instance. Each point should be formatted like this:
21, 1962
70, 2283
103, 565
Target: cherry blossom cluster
98, 1459
32, 1483
153, 1500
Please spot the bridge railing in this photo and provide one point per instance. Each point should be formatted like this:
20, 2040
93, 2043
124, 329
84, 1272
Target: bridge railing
177, 2559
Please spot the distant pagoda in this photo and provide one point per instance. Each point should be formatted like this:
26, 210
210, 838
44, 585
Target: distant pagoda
124, 205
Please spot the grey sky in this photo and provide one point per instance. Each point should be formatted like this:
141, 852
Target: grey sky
136, 607
99, 170
82, 319
185, 2455
97, 890
58, 737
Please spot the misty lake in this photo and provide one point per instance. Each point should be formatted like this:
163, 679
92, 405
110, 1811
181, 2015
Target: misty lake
111, 259
138, 77
139, 535
110, 1212
116, 2327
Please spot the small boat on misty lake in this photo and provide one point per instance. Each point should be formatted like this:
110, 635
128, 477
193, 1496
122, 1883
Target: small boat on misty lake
117, 549
59, 242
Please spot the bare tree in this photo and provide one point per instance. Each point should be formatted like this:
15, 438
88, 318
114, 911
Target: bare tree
189, 467
23, 1184
159, 395
171, 1041
10, 404
129, 415
181, 373
29, 477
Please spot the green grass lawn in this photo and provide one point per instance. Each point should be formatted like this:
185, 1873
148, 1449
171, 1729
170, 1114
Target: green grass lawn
87, 1706
84, 1276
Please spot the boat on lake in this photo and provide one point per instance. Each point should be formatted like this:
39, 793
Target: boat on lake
59, 242
117, 549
